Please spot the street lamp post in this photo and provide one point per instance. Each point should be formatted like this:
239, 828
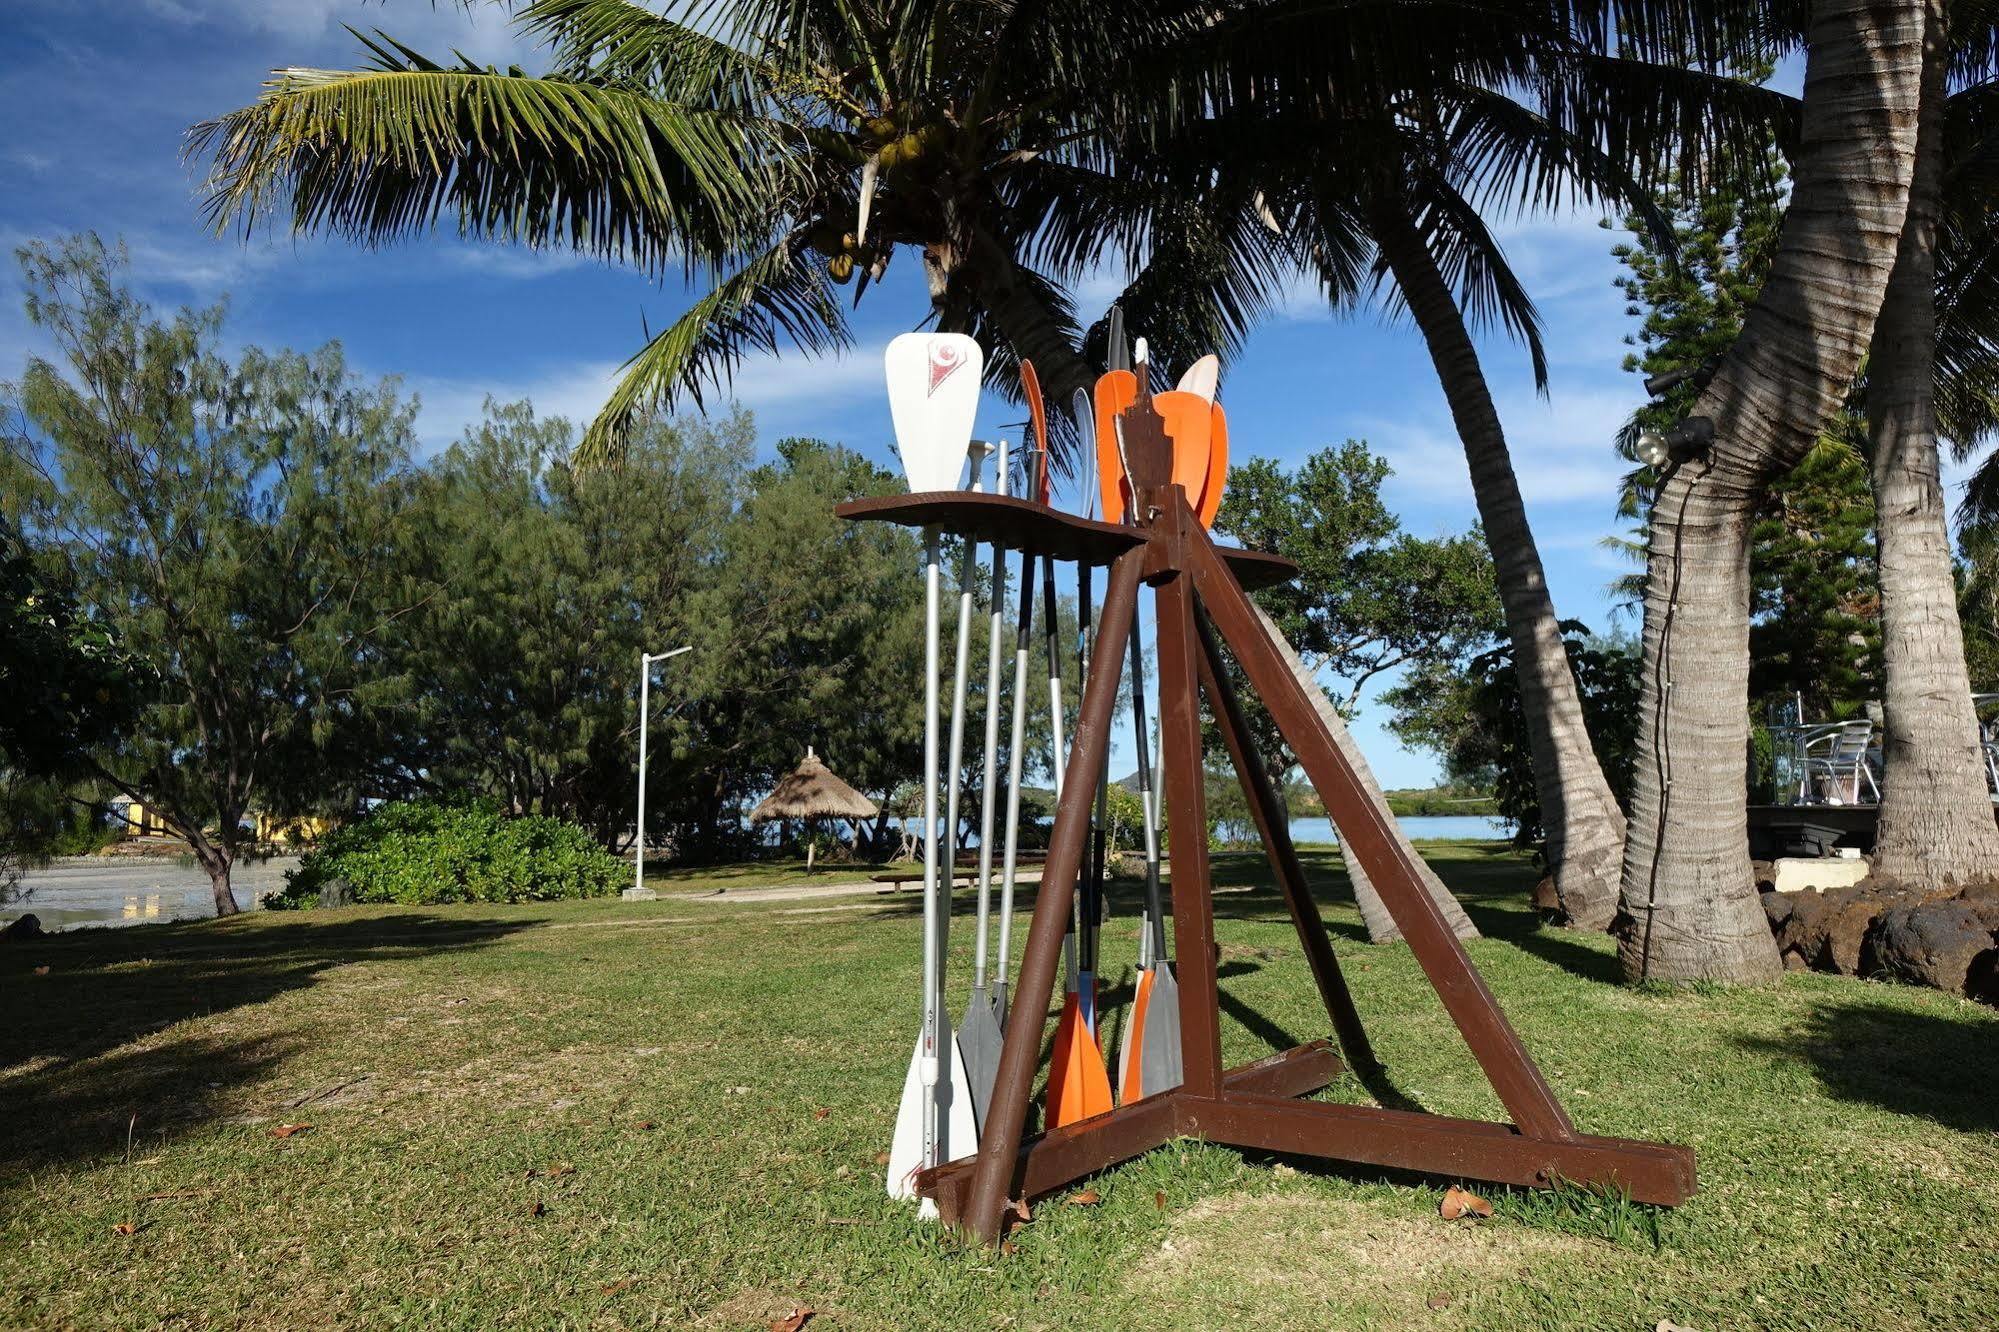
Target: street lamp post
638, 891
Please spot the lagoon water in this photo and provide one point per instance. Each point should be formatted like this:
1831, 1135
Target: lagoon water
1419, 827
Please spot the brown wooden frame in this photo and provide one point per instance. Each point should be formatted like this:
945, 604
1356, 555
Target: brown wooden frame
1201, 603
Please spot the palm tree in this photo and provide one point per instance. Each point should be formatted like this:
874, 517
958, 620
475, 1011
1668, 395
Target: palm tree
1689, 908
1536, 106
1936, 823
769, 149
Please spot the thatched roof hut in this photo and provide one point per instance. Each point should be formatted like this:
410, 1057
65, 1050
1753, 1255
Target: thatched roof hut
811, 791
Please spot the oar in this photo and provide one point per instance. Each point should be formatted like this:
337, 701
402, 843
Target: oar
1218, 466
966, 564
979, 1036
1202, 378
1090, 900
1149, 1059
933, 393
1023, 639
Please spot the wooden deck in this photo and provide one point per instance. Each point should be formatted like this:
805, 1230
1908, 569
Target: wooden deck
1806, 830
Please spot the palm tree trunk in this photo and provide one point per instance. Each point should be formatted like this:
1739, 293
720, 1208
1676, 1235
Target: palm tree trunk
1373, 911
1689, 908
1585, 827
1936, 816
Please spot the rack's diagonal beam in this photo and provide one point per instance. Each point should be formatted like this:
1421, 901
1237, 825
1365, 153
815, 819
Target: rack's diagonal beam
1272, 820
1367, 836
1187, 824
1006, 1113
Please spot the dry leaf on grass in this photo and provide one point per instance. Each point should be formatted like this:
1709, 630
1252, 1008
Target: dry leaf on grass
124, 1228
557, 1169
646, 1125
1457, 1202
288, 1130
619, 1287
1087, 1198
1439, 1301
538, 1208
1022, 1212
1159, 1199
821, 1112
881, 1158
792, 1321
1009, 1248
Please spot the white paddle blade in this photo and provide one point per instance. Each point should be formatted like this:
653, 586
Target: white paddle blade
1085, 417
957, 1127
933, 396
1203, 377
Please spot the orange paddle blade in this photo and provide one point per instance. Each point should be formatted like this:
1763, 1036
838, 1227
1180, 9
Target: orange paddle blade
1037, 415
1218, 466
1189, 419
1078, 1086
1134, 1039
1116, 391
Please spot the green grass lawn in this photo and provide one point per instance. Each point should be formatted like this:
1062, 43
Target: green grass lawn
669, 1114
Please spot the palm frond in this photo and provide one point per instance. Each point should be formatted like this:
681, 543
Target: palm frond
782, 294
380, 154
1473, 262
617, 41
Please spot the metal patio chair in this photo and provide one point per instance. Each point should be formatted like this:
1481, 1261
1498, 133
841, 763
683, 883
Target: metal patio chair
1843, 758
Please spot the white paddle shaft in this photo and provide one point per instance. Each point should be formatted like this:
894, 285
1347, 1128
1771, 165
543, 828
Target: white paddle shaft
987, 791
1022, 645
932, 1034
962, 662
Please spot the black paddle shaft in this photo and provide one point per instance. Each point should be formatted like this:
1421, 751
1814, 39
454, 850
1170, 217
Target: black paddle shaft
1154, 906
1093, 872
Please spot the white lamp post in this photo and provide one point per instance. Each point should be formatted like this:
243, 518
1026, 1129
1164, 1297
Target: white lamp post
638, 891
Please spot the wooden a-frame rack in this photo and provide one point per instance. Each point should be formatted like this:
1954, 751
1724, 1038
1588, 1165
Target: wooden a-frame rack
1202, 596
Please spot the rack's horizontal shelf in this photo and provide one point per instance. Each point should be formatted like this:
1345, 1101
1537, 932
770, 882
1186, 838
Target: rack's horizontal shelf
1018, 524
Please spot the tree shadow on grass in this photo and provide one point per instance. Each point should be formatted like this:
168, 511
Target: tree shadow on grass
68, 1086
1932, 1065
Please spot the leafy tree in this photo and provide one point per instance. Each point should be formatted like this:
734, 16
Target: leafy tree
1471, 717
543, 585
68, 688
229, 522
810, 632
1369, 598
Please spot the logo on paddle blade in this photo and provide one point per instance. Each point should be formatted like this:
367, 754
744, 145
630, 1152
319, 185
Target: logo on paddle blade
945, 359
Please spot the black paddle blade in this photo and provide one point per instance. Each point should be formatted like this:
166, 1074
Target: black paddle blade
979, 1043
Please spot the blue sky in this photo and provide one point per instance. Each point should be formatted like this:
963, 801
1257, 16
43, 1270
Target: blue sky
97, 94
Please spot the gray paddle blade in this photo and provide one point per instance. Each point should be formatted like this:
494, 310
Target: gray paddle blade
979, 1042
1159, 1060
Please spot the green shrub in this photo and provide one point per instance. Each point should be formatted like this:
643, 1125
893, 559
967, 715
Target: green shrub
423, 852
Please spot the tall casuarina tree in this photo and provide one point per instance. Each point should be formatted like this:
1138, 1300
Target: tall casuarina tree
1689, 908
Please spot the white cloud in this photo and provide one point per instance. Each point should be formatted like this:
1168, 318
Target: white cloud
1561, 448
788, 394
481, 32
